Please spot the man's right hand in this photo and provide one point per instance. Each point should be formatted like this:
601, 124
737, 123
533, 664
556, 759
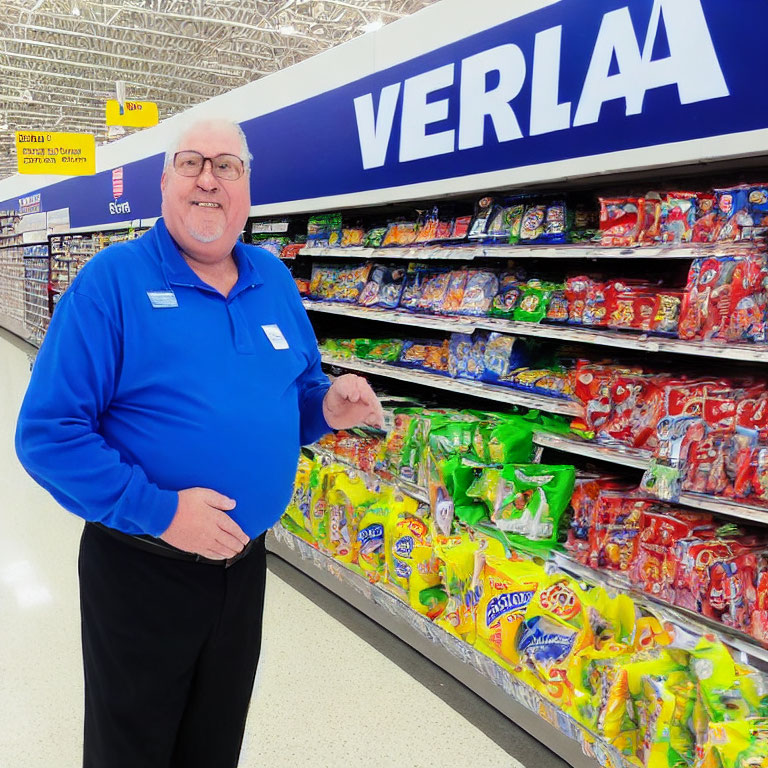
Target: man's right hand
201, 525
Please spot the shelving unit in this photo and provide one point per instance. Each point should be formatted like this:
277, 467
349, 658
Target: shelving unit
471, 252
521, 704
635, 459
476, 388
580, 334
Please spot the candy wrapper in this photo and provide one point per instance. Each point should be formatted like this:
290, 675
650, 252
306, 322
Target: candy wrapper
454, 292
507, 297
352, 238
620, 220
375, 237
526, 499
503, 354
533, 302
678, 217
486, 210
400, 233
467, 355
430, 356
384, 287
479, 291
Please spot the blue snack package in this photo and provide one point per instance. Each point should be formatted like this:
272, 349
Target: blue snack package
426, 354
467, 355
433, 292
413, 288
507, 297
555, 224
503, 354
479, 292
757, 201
384, 287
732, 212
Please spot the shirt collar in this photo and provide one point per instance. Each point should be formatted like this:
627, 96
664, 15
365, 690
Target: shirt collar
178, 272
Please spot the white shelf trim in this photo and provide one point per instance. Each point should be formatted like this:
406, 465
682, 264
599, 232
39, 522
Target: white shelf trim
476, 388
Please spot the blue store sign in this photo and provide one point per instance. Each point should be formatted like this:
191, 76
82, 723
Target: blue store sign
575, 79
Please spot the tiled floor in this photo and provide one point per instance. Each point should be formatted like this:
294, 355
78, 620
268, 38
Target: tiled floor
324, 697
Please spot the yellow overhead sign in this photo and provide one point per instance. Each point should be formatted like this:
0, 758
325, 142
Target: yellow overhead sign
135, 114
62, 154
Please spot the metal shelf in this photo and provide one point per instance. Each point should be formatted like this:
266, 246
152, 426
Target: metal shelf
739, 641
489, 251
602, 337
476, 388
521, 704
627, 457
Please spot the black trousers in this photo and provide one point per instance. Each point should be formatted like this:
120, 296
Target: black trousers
170, 650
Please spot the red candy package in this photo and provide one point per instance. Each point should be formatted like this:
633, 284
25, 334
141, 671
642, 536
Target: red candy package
621, 220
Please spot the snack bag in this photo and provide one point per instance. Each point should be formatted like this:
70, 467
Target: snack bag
434, 292
299, 508
678, 217
507, 297
400, 233
504, 216
620, 220
555, 223
507, 589
533, 302
457, 281
558, 309
352, 238
480, 288
485, 211
375, 237
650, 224
384, 287
503, 354
466, 355
346, 496
741, 744
705, 219
534, 224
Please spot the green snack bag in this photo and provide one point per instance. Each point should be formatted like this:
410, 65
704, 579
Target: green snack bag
514, 221
533, 303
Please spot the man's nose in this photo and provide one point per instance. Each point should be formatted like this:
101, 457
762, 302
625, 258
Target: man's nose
206, 180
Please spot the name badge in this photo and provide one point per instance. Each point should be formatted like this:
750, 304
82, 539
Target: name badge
162, 299
275, 336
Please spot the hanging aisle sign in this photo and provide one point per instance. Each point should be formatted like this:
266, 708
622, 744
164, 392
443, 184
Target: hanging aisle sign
62, 154
134, 114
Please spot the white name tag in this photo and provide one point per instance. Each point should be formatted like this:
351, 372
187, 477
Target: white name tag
275, 336
162, 299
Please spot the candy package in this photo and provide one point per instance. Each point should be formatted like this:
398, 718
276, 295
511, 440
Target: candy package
299, 508
467, 355
534, 224
400, 233
526, 499
503, 354
533, 302
620, 220
650, 219
504, 223
558, 308
413, 288
374, 237
480, 288
486, 210
384, 287
274, 245
507, 589
507, 297
352, 238
678, 217
434, 292
428, 355
338, 283
705, 219
454, 292
324, 231
460, 228
346, 495
552, 382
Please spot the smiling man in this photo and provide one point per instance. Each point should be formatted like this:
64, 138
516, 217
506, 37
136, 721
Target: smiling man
178, 379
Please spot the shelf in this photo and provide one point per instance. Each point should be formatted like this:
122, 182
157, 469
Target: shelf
476, 388
466, 252
627, 457
521, 704
613, 581
580, 334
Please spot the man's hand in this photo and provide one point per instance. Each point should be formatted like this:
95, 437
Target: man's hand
350, 402
202, 526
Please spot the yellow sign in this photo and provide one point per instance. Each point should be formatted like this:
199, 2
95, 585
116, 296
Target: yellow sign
136, 114
62, 154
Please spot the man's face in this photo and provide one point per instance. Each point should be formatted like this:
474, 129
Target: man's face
206, 215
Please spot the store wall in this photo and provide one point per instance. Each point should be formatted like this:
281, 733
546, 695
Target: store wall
461, 97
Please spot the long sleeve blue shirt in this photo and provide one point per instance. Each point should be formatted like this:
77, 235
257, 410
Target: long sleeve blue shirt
149, 381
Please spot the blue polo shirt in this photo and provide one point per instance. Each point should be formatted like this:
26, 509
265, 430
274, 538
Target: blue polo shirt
149, 381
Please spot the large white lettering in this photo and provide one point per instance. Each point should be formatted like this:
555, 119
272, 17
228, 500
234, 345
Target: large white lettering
477, 103
547, 114
692, 64
374, 133
418, 113
621, 67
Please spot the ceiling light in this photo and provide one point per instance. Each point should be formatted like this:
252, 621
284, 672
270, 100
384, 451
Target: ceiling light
3, 126
372, 26
288, 29
75, 10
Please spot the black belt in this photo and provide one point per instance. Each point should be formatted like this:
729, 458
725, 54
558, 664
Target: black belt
159, 547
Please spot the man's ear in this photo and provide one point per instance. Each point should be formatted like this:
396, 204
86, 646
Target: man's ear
163, 180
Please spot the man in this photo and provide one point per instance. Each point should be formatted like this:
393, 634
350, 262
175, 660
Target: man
167, 404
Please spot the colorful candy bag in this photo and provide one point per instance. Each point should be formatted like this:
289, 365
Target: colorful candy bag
526, 499
467, 354
299, 508
352, 238
503, 354
620, 220
507, 297
480, 288
400, 233
507, 589
375, 237
324, 231
346, 494
485, 211
534, 224
415, 280
454, 293
678, 217
434, 292
740, 744
504, 222
384, 287
533, 302
433, 356
345, 284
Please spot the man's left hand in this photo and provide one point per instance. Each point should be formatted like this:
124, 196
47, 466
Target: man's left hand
350, 402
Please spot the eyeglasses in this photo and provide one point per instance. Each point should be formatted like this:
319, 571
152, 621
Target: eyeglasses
191, 163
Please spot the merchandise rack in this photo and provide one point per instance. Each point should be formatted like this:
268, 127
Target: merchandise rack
751, 650
476, 388
471, 252
581, 334
636, 459
520, 703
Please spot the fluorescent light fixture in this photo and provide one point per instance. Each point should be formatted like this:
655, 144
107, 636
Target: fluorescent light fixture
372, 26
288, 29
75, 10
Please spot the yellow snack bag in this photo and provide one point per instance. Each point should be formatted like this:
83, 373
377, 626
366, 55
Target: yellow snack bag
507, 589
740, 744
346, 495
298, 510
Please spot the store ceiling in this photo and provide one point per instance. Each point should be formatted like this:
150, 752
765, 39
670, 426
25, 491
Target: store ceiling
60, 59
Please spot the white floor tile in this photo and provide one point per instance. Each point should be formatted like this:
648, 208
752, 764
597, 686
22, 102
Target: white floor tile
324, 698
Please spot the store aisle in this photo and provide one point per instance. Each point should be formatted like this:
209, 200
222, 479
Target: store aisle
324, 698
